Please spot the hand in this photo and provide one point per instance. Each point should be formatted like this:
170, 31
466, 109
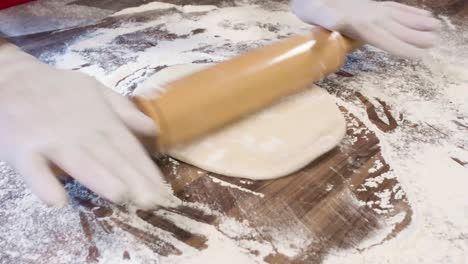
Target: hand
402, 30
50, 116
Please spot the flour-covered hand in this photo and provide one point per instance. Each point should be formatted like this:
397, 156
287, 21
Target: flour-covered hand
50, 116
400, 29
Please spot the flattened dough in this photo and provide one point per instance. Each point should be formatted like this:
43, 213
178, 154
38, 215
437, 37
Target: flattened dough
270, 144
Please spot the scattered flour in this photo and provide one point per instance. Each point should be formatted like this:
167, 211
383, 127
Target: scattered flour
432, 97
378, 165
230, 185
431, 100
162, 5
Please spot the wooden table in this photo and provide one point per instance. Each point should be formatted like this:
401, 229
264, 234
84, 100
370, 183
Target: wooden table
325, 204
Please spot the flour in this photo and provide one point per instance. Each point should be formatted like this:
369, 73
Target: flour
230, 185
447, 22
223, 29
160, 5
378, 165
436, 185
422, 151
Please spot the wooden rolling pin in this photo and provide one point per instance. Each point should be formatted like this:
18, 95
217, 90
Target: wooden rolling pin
207, 100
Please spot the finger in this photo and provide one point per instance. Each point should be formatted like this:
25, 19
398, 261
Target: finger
408, 9
151, 189
420, 39
84, 167
41, 181
130, 115
382, 39
417, 22
139, 187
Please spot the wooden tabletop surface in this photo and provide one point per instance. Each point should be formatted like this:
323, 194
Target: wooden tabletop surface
321, 204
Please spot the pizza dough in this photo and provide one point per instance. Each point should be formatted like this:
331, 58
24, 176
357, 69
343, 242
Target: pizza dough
270, 144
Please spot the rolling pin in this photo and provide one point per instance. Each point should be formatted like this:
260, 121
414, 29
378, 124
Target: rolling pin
209, 99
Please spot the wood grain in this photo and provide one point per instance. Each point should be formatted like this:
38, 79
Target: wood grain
325, 202
301, 204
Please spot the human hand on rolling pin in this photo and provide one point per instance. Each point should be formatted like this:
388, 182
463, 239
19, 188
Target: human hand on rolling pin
50, 116
402, 30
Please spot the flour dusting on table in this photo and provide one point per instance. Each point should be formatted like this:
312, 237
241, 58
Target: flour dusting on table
423, 128
427, 151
